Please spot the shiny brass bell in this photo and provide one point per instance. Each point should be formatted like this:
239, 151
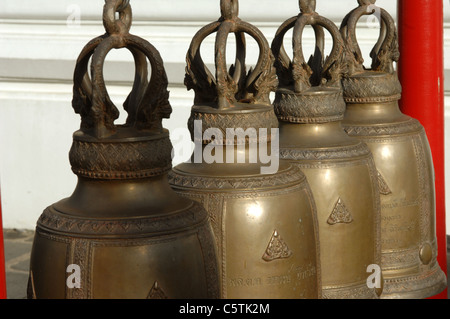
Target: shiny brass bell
340, 170
261, 209
123, 233
402, 155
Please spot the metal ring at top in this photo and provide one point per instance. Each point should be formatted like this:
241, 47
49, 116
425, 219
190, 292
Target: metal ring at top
123, 24
146, 105
319, 71
230, 85
385, 51
366, 2
229, 9
307, 6
123, 5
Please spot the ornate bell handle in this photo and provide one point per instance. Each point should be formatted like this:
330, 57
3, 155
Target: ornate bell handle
317, 72
147, 103
385, 51
229, 86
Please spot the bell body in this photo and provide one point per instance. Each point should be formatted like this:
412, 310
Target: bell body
123, 233
264, 224
406, 181
342, 176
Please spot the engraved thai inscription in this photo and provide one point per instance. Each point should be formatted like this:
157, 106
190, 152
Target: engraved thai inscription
401, 206
294, 274
271, 254
255, 239
335, 211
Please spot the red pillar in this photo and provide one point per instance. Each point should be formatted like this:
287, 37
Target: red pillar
421, 72
2, 258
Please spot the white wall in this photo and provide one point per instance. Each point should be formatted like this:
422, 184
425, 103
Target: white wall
39, 43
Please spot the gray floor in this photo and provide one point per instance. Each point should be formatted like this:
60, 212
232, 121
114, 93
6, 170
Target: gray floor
17, 258
17, 254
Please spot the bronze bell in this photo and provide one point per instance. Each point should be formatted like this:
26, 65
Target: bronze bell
402, 155
261, 209
123, 233
340, 170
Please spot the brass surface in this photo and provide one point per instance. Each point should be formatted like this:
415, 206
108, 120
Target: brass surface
123, 233
264, 224
339, 169
403, 159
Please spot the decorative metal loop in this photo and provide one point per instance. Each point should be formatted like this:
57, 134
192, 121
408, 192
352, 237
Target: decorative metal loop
384, 53
125, 3
146, 105
366, 2
111, 24
229, 9
307, 6
230, 86
318, 71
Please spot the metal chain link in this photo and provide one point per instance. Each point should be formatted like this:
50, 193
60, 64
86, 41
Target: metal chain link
113, 25
366, 2
123, 5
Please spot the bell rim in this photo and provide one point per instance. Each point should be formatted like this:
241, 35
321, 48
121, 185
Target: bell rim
245, 116
434, 276
289, 175
313, 106
119, 158
371, 86
236, 108
123, 134
322, 156
409, 126
151, 226
314, 90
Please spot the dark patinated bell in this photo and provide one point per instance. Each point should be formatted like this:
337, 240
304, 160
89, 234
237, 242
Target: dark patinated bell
261, 209
402, 155
340, 170
123, 233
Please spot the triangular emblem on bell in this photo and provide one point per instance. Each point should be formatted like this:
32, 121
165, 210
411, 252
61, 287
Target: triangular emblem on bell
310, 107
233, 177
123, 227
383, 185
401, 151
156, 292
277, 248
340, 214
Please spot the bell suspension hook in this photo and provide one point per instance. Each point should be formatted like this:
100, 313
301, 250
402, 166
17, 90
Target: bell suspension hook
113, 25
229, 9
366, 2
307, 6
